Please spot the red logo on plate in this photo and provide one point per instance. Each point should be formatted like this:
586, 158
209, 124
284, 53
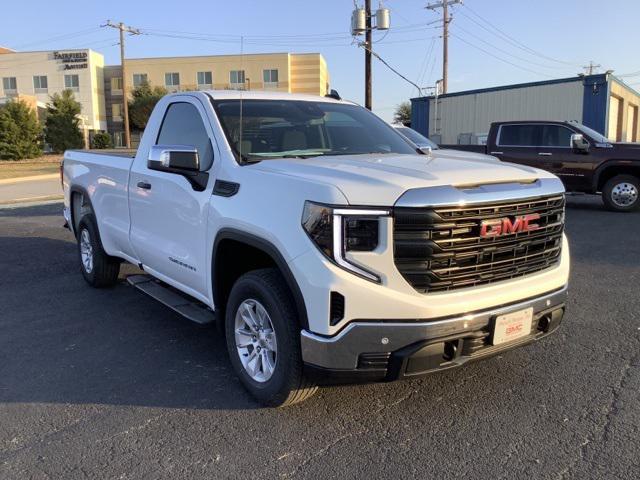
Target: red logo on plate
514, 329
505, 226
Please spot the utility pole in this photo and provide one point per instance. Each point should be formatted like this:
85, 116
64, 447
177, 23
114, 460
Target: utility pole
125, 106
588, 69
367, 55
446, 19
362, 22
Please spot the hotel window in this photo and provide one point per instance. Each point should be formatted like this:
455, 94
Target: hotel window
270, 77
72, 82
116, 112
9, 85
139, 79
172, 79
205, 79
116, 85
236, 78
40, 84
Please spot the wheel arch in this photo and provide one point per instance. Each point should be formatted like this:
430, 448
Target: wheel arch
612, 168
254, 248
85, 206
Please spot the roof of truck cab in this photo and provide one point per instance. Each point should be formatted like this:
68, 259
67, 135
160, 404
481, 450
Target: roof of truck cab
263, 95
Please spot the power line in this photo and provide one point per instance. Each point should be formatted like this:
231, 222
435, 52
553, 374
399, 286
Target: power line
499, 58
391, 68
506, 37
480, 39
64, 36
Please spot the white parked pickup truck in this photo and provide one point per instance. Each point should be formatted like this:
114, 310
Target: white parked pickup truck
325, 246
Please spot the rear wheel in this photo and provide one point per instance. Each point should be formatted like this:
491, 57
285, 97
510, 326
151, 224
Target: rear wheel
98, 268
263, 339
622, 193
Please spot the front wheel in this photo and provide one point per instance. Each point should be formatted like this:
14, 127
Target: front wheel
263, 339
621, 193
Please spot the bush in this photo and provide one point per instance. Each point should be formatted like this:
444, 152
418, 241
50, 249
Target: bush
144, 98
101, 140
20, 132
62, 130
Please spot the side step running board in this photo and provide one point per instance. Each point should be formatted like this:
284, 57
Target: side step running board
189, 308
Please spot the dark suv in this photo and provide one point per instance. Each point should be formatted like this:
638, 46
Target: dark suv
585, 160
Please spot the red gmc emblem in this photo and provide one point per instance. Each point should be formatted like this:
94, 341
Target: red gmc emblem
505, 226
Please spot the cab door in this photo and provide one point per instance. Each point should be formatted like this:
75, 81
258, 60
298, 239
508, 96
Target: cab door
168, 215
556, 155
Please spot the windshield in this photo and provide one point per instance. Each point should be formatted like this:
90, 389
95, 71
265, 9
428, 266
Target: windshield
597, 137
417, 138
301, 129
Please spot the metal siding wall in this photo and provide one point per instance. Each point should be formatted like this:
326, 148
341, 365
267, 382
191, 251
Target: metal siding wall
595, 97
420, 115
474, 113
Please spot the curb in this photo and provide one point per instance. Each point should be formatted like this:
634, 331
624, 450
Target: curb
33, 178
33, 202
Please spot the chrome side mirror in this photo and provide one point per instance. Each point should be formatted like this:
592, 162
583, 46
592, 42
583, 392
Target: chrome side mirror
426, 150
173, 157
579, 143
180, 160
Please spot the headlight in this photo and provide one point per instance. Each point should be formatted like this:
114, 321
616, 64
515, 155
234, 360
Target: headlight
336, 231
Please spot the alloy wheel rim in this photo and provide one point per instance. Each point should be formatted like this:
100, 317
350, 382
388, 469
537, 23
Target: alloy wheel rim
624, 194
256, 340
86, 251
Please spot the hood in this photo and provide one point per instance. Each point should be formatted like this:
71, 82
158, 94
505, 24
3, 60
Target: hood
380, 179
629, 148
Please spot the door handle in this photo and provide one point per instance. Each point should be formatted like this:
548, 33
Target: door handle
496, 153
145, 185
545, 154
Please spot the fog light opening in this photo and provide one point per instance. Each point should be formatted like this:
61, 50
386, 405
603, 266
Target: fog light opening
544, 323
450, 349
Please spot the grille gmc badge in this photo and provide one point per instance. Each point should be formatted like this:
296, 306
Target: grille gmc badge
508, 225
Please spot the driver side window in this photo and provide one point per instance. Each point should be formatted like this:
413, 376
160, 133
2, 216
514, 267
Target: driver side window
183, 125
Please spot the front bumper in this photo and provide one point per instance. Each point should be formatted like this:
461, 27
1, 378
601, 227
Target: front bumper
377, 350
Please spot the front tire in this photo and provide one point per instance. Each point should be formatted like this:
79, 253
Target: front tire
98, 269
622, 193
263, 339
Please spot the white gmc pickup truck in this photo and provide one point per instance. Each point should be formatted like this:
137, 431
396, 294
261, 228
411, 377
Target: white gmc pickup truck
325, 245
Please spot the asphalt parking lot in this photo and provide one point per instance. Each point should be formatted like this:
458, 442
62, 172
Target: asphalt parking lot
110, 384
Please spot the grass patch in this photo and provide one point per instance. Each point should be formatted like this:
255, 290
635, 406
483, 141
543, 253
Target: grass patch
47, 164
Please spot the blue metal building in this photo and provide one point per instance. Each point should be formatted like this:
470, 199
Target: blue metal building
602, 102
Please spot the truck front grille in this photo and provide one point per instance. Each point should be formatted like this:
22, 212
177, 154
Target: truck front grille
440, 249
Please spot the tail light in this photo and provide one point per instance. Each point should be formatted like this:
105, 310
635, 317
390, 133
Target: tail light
62, 173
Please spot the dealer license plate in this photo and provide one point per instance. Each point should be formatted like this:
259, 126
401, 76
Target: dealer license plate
512, 326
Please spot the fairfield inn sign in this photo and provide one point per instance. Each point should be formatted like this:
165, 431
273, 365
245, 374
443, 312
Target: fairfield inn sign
72, 60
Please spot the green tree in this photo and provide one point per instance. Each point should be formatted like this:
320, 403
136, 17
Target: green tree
403, 114
143, 99
20, 132
62, 124
101, 140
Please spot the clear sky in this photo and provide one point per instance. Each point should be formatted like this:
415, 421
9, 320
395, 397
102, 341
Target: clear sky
532, 39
